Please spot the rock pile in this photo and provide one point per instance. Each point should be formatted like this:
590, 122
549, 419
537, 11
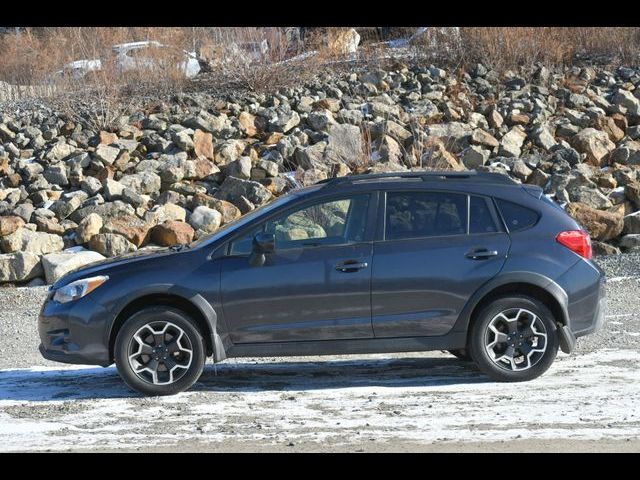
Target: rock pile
200, 161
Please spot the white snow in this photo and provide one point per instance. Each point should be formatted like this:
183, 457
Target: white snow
413, 397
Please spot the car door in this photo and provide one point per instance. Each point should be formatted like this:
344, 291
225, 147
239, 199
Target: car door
431, 256
316, 285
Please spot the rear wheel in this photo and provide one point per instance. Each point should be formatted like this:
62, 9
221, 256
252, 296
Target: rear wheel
514, 339
159, 351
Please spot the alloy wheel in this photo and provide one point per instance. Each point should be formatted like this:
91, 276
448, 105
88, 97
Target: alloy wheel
160, 353
516, 339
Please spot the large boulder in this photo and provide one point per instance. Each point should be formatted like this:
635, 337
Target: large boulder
130, 227
203, 144
511, 143
172, 233
164, 213
25, 240
143, 182
205, 219
595, 144
111, 244
233, 188
228, 210
56, 265
19, 267
344, 144
601, 224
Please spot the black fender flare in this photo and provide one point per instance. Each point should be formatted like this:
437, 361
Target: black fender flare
532, 278
194, 298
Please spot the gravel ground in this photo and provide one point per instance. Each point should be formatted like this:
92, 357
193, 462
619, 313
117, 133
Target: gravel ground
587, 401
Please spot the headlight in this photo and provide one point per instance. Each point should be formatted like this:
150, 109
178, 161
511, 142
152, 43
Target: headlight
78, 289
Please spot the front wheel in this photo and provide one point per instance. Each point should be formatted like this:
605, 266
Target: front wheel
514, 339
159, 351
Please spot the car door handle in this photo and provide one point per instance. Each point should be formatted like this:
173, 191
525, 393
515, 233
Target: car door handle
351, 266
481, 254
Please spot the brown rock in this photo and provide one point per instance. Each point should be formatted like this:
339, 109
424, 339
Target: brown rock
88, 227
247, 123
601, 224
122, 161
594, 143
14, 180
495, 119
5, 168
519, 118
8, 225
204, 167
601, 248
105, 173
172, 233
273, 138
107, 138
609, 126
203, 144
480, 137
130, 227
620, 121
49, 225
632, 192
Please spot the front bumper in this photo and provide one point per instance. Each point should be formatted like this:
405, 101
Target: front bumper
73, 332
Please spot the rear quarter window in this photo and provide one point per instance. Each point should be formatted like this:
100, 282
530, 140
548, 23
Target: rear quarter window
516, 216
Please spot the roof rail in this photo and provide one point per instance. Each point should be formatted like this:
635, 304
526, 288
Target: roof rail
472, 175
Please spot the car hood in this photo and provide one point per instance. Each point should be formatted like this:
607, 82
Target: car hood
102, 267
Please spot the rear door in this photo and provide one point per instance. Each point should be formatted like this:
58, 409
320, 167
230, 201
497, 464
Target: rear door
434, 250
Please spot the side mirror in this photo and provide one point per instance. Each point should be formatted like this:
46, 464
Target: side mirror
263, 243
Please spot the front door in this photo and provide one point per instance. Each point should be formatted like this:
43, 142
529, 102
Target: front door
315, 286
432, 258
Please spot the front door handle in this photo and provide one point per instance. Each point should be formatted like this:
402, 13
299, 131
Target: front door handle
351, 266
481, 254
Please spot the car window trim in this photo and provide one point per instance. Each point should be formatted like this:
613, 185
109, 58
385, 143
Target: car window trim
383, 233
302, 205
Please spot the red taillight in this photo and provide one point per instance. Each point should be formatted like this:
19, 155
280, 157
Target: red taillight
577, 241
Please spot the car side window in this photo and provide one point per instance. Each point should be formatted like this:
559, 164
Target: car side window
425, 214
516, 216
334, 222
480, 218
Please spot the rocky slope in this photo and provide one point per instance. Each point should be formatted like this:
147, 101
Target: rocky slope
70, 195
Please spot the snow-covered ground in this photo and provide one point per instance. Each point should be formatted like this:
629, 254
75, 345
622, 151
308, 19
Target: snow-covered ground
421, 398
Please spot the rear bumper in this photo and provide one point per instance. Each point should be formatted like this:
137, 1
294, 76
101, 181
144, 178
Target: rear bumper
584, 285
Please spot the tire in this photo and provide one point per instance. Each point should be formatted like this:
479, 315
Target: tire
462, 354
164, 338
518, 325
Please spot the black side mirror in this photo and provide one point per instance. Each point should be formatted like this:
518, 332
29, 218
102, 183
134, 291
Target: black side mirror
263, 243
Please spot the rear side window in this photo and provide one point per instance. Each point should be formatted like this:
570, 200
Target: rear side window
425, 214
516, 216
480, 218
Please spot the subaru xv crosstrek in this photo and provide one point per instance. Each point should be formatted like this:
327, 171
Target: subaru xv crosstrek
473, 263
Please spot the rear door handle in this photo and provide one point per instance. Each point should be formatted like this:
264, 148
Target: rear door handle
481, 254
351, 266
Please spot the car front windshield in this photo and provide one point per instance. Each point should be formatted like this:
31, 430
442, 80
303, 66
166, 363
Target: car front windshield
245, 219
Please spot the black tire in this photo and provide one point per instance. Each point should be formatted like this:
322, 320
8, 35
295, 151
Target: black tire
154, 316
479, 337
462, 354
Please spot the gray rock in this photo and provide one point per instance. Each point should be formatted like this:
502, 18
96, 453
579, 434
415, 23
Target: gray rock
321, 120
205, 219
107, 154
344, 144
474, 156
143, 182
25, 240
240, 168
626, 99
57, 265
60, 151
57, 174
19, 267
24, 211
88, 227
312, 156
111, 244
511, 143
630, 242
91, 186
284, 122
183, 140
106, 210
543, 138
632, 223
234, 188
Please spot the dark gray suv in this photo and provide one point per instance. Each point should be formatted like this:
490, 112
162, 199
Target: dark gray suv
473, 263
